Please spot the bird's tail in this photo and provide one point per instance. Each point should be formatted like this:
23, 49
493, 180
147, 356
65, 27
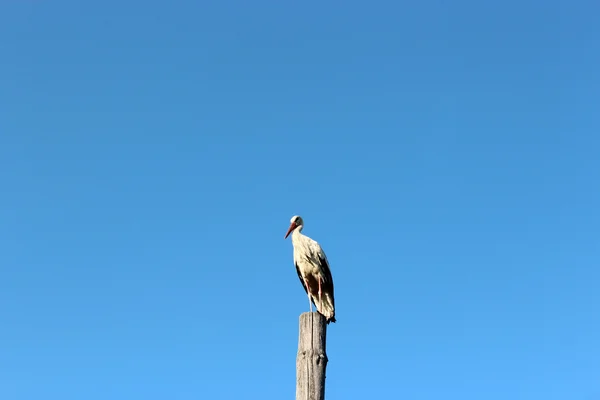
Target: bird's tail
327, 308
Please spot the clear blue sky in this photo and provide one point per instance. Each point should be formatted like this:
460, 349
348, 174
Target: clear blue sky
446, 156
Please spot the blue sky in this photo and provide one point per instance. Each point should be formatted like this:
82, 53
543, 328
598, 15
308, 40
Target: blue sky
445, 154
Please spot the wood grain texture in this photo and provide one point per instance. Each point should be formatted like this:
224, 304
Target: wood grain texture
311, 361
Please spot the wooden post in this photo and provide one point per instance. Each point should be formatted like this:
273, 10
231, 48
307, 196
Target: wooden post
311, 361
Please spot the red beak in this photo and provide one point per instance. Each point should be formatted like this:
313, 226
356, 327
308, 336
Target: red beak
292, 227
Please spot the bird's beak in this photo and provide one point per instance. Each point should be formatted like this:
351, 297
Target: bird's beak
292, 227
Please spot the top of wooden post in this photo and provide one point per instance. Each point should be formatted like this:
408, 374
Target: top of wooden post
311, 361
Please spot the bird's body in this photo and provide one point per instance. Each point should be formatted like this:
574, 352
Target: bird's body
313, 270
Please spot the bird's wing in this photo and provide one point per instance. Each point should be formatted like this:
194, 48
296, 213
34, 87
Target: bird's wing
316, 253
327, 278
319, 257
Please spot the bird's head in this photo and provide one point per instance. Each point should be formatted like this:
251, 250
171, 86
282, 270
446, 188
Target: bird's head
295, 222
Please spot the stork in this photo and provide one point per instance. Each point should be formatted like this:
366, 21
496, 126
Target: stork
313, 270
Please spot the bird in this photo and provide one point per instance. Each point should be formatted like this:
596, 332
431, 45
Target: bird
313, 270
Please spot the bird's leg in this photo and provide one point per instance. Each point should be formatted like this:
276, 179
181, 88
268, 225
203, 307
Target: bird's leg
308, 293
320, 304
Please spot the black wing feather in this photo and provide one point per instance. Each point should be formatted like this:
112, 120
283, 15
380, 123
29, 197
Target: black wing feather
328, 279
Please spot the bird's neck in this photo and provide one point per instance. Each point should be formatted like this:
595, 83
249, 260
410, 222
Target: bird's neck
297, 232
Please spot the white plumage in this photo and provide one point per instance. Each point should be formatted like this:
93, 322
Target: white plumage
313, 270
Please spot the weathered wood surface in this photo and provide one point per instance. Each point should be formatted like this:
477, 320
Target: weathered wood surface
311, 361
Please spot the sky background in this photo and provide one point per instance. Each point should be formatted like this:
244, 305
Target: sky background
446, 155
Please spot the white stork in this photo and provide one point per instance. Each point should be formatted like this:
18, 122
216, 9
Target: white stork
313, 270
